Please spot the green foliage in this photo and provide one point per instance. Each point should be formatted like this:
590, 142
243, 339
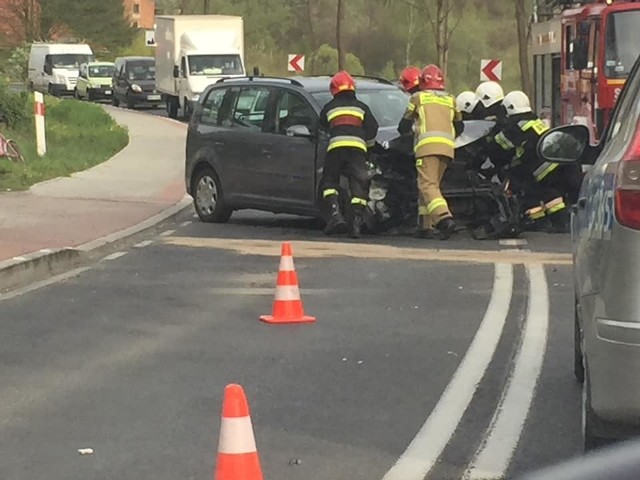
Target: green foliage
325, 60
15, 66
79, 136
14, 107
137, 48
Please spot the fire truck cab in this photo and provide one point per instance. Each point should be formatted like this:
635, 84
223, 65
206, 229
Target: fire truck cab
581, 59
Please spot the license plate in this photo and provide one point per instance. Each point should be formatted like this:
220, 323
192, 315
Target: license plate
107, 92
153, 97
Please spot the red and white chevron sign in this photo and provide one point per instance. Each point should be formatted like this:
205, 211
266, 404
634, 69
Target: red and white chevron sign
490, 70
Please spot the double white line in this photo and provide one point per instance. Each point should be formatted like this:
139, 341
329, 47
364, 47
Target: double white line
492, 459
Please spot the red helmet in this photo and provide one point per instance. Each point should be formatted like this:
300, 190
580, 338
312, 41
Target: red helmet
341, 82
431, 78
410, 78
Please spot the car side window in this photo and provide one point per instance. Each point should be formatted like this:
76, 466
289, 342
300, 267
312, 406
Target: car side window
251, 107
292, 109
215, 108
624, 114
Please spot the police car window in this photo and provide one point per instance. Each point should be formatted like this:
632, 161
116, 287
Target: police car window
292, 109
251, 107
626, 111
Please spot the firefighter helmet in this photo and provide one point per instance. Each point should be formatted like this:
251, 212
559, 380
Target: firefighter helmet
466, 101
342, 82
431, 78
489, 93
516, 102
410, 78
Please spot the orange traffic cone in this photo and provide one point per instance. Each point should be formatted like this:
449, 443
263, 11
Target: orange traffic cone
237, 452
287, 306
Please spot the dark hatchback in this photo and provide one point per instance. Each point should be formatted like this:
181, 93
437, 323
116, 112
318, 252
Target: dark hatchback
134, 82
254, 142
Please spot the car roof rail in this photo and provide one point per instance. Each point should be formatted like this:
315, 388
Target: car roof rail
293, 81
365, 77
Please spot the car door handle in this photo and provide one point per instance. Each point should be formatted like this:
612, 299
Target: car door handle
582, 202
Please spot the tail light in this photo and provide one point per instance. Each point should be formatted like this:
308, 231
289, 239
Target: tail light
627, 194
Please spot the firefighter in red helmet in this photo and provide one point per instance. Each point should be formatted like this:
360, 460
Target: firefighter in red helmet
352, 131
436, 122
410, 79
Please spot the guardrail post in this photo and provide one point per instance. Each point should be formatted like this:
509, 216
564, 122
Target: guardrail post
40, 110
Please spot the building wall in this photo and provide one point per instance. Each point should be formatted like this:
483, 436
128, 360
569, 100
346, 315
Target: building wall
141, 12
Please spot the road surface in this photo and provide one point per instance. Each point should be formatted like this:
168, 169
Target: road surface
416, 368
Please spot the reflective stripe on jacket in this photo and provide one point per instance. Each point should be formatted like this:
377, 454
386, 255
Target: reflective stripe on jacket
349, 122
433, 113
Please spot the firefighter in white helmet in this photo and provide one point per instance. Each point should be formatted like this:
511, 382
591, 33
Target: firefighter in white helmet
489, 106
544, 184
466, 103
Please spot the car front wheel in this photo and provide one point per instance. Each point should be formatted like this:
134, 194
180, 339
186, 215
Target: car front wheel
207, 197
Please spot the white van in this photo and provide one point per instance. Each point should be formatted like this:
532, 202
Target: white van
54, 67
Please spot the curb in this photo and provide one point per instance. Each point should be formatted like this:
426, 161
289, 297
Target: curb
34, 266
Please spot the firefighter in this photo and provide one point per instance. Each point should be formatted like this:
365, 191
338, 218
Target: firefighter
352, 131
544, 183
432, 112
466, 103
410, 80
489, 106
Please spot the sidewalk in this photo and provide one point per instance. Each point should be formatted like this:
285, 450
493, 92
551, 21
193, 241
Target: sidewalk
143, 180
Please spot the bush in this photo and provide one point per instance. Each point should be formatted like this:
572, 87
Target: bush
14, 107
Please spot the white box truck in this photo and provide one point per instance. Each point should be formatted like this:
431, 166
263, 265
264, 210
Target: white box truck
194, 51
54, 67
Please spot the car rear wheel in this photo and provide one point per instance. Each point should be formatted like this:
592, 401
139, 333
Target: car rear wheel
208, 198
578, 362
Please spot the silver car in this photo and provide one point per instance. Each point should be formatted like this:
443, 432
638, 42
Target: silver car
606, 253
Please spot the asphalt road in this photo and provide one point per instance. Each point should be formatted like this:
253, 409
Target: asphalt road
130, 358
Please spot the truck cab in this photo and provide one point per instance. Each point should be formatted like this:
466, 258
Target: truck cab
54, 67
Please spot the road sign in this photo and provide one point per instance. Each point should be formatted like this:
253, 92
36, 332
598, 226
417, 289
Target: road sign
150, 38
490, 70
296, 63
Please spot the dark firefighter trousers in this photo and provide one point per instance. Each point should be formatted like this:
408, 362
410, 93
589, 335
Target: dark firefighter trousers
352, 163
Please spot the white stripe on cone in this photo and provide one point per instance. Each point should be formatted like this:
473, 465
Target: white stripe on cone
287, 293
236, 436
286, 264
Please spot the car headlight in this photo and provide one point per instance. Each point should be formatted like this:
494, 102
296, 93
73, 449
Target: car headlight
136, 88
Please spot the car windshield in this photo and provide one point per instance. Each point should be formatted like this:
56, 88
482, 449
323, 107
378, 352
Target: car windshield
215, 65
69, 60
622, 43
142, 71
387, 105
101, 71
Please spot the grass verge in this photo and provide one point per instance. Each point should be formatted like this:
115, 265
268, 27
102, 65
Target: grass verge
79, 135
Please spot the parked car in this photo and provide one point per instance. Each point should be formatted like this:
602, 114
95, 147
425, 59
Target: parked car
94, 81
254, 142
134, 82
606, 252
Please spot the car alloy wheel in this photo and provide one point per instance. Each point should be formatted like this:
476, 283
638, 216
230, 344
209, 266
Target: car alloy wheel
206, 195
208, 198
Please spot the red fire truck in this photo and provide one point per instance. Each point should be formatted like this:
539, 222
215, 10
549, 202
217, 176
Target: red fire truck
581, 59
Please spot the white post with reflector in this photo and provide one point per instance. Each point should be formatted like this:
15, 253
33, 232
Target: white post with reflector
39, 111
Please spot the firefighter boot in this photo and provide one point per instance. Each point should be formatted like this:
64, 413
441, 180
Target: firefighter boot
560, 222
357, 221
335, 221
446, 227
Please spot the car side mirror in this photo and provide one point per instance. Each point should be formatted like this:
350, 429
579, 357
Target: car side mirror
299, 131
176, 71
566, 144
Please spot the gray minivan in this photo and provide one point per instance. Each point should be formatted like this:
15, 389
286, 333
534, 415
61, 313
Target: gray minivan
134, 82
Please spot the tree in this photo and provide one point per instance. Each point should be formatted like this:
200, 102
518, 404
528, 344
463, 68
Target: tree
523, 24
21, 20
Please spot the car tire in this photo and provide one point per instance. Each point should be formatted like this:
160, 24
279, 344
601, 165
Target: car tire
114, 100
578, 359
208, 198
172, 108
592, 440
130, 103
187, 110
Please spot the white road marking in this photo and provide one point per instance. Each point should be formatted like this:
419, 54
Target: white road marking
185, 224
114, 256
495, 453
167, 233
423, 452
146, 243
512, 242
44, 283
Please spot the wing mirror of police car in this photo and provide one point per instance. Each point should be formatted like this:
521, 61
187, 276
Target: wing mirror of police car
566, 144
299, 131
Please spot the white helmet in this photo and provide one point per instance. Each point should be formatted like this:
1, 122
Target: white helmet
516, 102
466, 101
489, 93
